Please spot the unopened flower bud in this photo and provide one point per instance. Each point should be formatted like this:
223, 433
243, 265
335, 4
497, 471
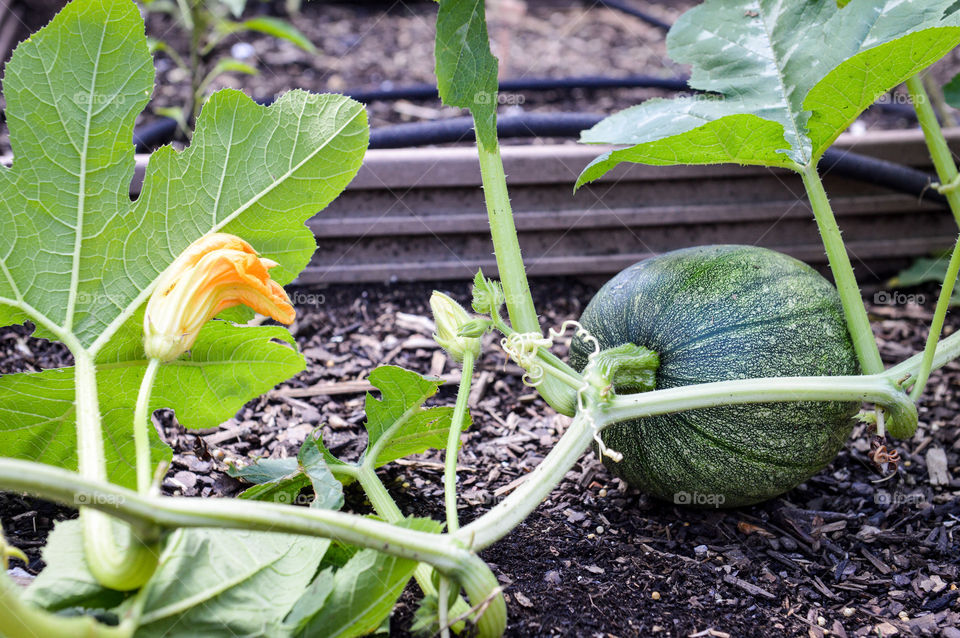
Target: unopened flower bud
450, 317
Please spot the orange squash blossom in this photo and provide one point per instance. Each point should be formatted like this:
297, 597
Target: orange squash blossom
216, 272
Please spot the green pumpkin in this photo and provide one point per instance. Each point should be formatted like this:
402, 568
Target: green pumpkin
718, 313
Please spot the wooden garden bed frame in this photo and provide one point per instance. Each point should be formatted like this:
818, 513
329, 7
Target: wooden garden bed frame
419, 214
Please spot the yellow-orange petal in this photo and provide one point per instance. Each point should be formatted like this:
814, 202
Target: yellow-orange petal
196, 251
216, 272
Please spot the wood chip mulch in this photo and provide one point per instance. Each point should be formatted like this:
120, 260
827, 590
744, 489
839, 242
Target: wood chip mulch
845, 554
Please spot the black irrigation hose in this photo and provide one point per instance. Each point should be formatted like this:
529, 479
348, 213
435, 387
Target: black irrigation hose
429, 91
595, 82
149, 137
155, 134
864, 168
459, 129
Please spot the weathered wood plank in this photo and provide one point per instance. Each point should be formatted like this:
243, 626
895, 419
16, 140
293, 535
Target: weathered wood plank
416, 214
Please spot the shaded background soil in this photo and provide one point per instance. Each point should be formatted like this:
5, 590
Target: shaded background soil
389, 43
845, 554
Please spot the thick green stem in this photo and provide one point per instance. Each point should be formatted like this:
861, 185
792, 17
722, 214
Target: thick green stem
141, 428
856, 313
380, 498
905, 373
386, 508
936, 326
936, 143
487, 597
554, 361
443, 593
116, 557
90, 459
152, 514
948, 175
453, 444
878, 389
513, 275
937, 98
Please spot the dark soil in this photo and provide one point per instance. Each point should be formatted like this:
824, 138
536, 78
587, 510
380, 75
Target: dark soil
844, 554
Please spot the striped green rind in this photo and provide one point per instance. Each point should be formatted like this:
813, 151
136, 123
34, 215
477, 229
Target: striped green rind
719, 313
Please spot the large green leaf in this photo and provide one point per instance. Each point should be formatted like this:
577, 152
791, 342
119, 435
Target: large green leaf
227, 583
881, 44
216, 583
361, 593
257, 172
228, 365
784, 79
466, 69
79, 259
77, 254
311, 601
400, 418
73, 91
